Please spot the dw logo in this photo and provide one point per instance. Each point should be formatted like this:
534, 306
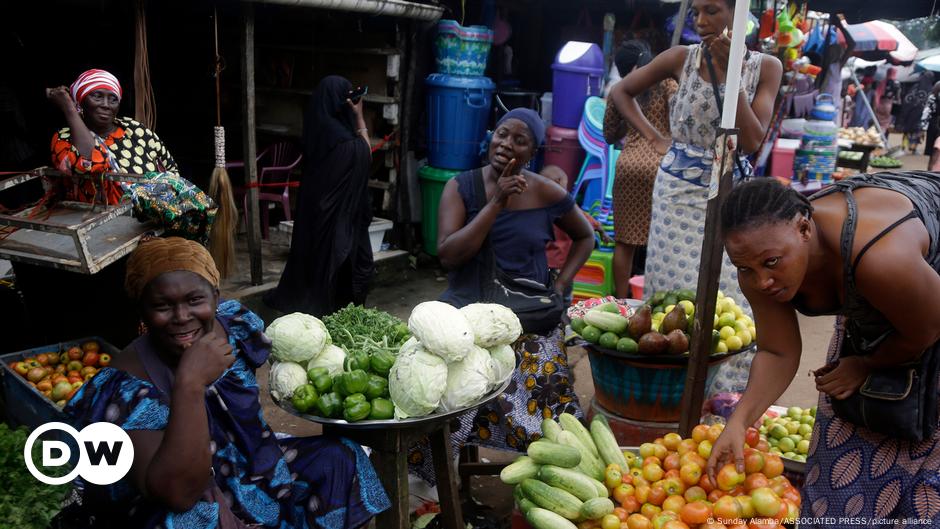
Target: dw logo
105, 453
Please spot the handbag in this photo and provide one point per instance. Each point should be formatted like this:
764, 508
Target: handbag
898, 401
538, 307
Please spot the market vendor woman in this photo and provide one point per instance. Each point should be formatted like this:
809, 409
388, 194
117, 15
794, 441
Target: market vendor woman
868, 250
186, 394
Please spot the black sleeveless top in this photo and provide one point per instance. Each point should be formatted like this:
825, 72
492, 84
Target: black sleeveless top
863, 320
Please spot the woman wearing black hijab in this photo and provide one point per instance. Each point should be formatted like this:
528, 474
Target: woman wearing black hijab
330, 261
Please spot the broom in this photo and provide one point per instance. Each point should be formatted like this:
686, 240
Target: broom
145, 110
222, 236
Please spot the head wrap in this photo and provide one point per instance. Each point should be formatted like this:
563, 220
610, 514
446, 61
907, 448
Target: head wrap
156, 256
632, 53
328, 119
92, 80
532, 120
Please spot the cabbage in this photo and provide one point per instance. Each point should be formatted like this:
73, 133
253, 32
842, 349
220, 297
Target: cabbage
502, 362
467, 380
285, 377
297, 337
332, 358
492, 324
417, 381
442, 330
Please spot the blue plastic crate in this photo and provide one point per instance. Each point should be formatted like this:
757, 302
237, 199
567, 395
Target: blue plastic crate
24, 404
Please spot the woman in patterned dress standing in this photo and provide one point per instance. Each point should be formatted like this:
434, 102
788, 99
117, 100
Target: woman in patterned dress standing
680, 193
866, 249
636, 165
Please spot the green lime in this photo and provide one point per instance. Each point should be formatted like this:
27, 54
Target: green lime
671, 299
627, 345
686, 294
608, 340
591, 334
657, 298
659, 309
578, 325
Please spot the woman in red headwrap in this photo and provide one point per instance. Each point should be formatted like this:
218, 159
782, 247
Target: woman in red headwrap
96, 140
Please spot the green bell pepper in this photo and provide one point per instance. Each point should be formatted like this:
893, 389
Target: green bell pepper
377, 387
320, 378
381, 362
356, 381
304, 398
339, 386
357, 360
330, 405
356, 407
382, 409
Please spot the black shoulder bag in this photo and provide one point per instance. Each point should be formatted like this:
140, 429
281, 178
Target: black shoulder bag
898, 401
538, 307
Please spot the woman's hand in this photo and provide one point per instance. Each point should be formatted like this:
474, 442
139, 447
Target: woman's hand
720, 49
661, 145
842, 379
206, 359
62, 98
509, 183
357, 110
729, 447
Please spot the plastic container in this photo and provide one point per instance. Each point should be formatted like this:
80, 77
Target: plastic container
636, 287
458, 112
432, 181
377, 233
563, 149
824, 109
462, 50
578, 73
547, 108
792, 128
781, 163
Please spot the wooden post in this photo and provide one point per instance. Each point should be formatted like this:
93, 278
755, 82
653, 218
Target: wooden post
248, 132
706, 295
680, 22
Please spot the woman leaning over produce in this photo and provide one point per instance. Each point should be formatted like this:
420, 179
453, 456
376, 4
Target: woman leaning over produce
216, 464
868, 250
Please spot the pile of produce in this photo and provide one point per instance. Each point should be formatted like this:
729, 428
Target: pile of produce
364, 364
788, 435
59, 375
861, 136
662, 325
886, 162
578, 478
851, 155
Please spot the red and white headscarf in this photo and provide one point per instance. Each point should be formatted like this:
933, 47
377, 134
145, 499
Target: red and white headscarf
92, 80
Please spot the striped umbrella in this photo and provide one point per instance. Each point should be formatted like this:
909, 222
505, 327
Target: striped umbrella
876, 39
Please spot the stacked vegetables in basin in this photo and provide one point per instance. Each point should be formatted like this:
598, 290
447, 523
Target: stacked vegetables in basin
362, 363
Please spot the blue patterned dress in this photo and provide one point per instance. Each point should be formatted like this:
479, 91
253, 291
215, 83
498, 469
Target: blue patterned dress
260, 480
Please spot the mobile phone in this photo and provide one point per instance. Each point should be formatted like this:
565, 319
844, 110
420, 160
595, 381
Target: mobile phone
356, 94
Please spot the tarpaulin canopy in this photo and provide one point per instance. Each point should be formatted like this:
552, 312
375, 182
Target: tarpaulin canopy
861, 10
876, 40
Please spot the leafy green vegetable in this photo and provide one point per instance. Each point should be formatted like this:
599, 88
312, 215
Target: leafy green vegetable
25, 502
360, 330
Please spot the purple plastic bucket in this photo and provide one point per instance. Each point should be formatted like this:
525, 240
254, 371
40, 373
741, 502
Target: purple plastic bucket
578, 73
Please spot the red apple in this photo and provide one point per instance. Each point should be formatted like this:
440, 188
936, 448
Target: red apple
90, 347
75, 353
74, 365
22, 368
43, 359
104, 359
90, 359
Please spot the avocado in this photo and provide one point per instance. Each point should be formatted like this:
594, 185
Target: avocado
678, 342
640, 323
674, 320
653, 343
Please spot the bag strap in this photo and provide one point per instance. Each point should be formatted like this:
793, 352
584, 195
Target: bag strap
714, 79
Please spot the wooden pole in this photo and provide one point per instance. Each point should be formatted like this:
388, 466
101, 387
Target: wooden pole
248, 133
710, 268
680, 22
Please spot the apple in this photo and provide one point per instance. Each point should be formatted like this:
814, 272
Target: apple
74, 365
53, 358
44, 385
89, 376
90, 347
766, 502
90, 359
73, 379
64, 358
60, 368
22, 368
77, 384
43, 359
88, 370
35, 374
61, 390
75, 353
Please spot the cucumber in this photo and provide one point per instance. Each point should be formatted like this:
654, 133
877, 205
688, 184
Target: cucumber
569, 480
558, 501
548, 453
520, 469
597, 508
610, 307
524, 503
601, 488
544, 519
591, 464
550, 430
606, 321
607, 444
571, 423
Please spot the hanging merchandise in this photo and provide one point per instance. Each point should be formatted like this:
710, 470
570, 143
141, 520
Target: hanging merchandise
222, 236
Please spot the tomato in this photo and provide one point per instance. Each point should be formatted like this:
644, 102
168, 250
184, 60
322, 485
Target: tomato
621, 513
630, 505
756, 481
671, 462
621, 492
696, 512
773, 466
700, 433
690, 473
638, 521
751, 437
671, 441
652, 472
610, 521
650, 511
753, 461
612, 476
694, 494
674, 504
657, 495
728, 477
